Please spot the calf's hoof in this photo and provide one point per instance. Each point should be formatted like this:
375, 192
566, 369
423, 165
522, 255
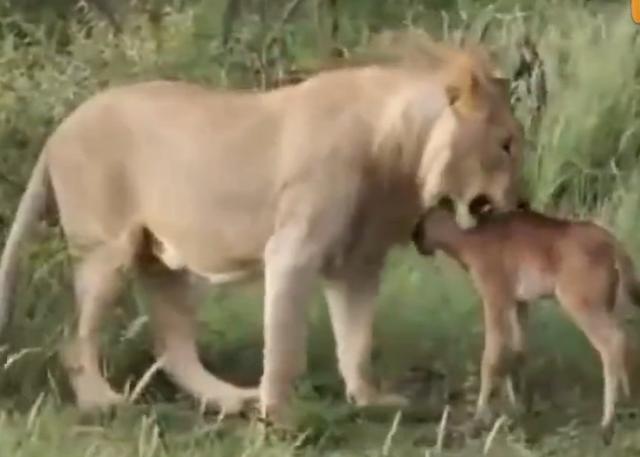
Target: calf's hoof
480, 423
607, 432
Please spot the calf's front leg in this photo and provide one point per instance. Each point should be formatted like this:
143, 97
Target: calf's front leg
498, 303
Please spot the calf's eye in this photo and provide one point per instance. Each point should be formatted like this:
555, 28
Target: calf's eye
506, 146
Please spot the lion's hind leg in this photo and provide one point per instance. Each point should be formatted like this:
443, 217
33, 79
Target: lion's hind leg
98, 282
173, 318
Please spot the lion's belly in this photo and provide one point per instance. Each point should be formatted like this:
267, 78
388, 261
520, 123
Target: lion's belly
210, 216
211, 266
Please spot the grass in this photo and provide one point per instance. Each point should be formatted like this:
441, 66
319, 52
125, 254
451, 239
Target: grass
174, 429
583, 153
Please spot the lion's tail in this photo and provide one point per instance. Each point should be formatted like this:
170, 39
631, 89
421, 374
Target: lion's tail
629, 286
32, 205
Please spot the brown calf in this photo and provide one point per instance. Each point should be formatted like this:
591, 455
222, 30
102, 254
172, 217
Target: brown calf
524, 255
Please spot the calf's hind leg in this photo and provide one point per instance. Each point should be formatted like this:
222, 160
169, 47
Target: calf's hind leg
517, 391
173, 320
607, 336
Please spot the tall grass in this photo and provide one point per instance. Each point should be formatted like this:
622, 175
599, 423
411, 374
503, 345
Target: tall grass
583, 153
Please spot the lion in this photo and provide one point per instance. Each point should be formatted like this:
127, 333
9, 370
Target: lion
315, 180
520, 256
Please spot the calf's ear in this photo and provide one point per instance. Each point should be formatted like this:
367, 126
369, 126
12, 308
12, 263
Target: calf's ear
417, 237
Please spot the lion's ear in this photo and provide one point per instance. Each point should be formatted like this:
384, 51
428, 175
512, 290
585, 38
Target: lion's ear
453, 93
462, 91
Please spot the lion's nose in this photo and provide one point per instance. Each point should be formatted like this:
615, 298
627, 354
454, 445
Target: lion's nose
480, 205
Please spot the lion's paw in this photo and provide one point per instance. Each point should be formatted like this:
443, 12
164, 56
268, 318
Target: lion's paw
235, 402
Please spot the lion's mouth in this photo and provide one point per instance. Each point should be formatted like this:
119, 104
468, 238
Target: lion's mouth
447, 204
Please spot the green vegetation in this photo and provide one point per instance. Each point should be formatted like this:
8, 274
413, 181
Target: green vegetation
580, 104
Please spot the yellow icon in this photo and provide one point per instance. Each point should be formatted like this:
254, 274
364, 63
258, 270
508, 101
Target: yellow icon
635, 11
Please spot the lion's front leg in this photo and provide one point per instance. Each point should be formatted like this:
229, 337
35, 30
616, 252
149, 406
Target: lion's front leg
290, 267
351, 303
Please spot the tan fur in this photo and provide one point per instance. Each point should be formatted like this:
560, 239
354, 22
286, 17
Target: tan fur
523, 255
317, 179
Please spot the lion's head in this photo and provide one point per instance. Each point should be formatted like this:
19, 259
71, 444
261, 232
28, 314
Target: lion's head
474, 153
